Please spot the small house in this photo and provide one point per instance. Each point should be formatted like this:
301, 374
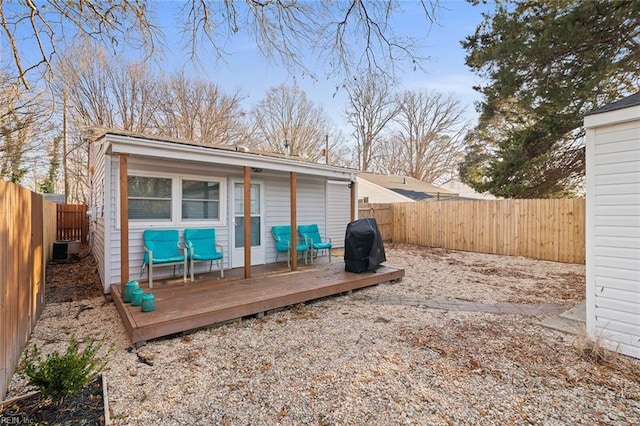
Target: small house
140, 182
613, 225
380, 188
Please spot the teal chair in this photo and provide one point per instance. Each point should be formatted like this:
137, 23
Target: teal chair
202, 247
162, 248
282, 236
311, 234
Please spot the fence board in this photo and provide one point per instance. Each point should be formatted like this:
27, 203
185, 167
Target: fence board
542, 229
73, 223
27, 224
382, 214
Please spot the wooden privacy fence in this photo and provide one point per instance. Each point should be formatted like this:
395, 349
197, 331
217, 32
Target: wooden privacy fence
27, 233
549, 229
72, 222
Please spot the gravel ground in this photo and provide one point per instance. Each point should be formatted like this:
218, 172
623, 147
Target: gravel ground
348, 360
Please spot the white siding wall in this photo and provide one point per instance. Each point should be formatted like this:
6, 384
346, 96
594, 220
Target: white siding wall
338, 212
97, 176
277, 209
613, 234
312, 206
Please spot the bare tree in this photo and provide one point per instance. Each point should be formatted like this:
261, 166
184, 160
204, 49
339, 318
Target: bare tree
287, 122
46, 24
346, 35
199, 111
372, 106
106, 91
429, 144
22, 125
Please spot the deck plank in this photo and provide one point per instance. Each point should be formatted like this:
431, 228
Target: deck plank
211, 300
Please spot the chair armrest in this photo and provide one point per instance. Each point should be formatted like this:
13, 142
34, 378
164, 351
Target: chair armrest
189, 247
220, 248
150, 255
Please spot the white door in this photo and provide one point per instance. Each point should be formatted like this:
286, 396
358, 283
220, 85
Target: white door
257, 224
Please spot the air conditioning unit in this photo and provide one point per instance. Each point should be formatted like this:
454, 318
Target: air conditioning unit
64, 250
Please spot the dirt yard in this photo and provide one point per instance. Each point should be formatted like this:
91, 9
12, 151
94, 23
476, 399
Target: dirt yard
356, 360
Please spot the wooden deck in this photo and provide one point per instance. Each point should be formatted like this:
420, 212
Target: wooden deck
211, 300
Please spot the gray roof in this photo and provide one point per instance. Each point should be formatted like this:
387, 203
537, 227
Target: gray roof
409, 187
627, 102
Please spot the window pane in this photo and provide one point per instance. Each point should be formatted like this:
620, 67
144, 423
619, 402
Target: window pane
149, 197
149, 209
255, 199
200, 190
255, 231
148, 187
200, 200
238, 198
200, 210
239, 231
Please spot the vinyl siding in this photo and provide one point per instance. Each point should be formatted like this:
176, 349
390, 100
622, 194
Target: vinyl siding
338, 212
613, 227
97, 167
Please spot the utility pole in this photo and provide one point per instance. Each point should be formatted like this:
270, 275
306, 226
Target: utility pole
326, 148
64, 146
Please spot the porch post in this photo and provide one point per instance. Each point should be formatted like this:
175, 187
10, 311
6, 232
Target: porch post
294, 221
354, 202
124, 221
247, 222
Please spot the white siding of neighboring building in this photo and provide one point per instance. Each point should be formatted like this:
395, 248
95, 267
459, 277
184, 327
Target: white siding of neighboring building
613, 230
369, 192
465, 191
338, 215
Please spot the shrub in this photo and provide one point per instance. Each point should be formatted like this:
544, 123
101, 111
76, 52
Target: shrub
65, 374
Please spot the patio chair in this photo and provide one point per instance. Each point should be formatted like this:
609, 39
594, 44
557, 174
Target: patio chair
201, 247
282, 235
311, 233
162, 248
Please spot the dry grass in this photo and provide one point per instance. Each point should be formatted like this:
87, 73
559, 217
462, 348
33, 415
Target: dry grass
490, 347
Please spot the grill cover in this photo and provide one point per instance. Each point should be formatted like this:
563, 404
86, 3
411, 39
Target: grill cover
363, 249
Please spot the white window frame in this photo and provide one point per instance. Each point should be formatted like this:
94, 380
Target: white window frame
146, 223
222, 206
176, 202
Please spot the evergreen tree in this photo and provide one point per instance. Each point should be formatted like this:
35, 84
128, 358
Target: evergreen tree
547, 63
49, 184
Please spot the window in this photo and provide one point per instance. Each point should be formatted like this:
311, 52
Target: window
200, 200
149, 198
175, 200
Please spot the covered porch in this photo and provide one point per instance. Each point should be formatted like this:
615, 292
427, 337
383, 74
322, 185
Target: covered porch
211, 300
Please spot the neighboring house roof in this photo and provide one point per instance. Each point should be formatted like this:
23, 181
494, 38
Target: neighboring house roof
409, 187
629, 101
369, 192
465, 191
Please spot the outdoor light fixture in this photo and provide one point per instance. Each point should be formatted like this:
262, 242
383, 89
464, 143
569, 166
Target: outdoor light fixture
286, 146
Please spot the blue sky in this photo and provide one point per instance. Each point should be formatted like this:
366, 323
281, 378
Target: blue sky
244, 70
